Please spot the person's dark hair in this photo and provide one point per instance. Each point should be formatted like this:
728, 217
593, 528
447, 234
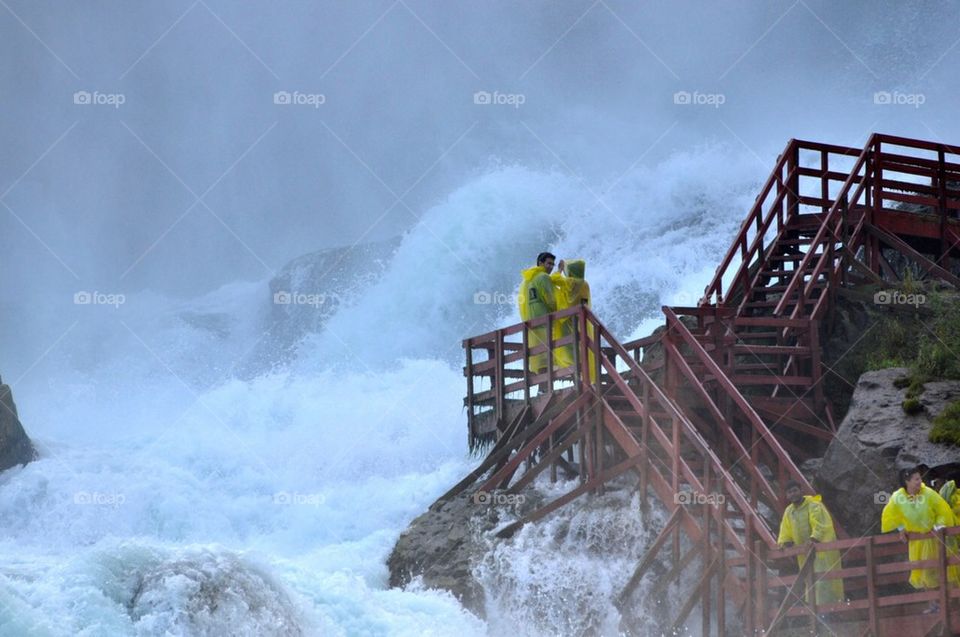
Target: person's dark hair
906, 473
543, 256
791, 484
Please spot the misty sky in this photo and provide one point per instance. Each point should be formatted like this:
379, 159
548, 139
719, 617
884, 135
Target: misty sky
182, 173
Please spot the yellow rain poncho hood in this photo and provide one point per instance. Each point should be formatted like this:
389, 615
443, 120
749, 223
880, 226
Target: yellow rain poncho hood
810, 520
919, 514
572, 291
536, 297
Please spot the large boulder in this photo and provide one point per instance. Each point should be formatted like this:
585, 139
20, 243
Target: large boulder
875, 440
310, 289
15, 446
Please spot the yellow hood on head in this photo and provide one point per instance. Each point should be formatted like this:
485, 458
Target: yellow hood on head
529, 273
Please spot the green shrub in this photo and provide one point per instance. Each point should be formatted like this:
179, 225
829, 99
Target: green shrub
916, 386
912, 406
946, 426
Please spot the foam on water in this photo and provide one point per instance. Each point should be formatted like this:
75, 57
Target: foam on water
173, 498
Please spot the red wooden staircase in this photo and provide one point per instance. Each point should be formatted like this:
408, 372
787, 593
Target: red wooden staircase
711, 416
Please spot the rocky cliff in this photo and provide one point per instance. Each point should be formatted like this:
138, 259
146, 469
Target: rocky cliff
15, 446
875, 440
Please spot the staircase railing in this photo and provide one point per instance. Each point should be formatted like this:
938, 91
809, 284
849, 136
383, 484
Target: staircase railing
777, 204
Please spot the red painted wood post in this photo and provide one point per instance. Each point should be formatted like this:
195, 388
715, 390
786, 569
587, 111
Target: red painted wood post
644, 433
819, 403
824, 184
722, 572
873, 617
751, 605
944, 259
583, 347
793, 181
844, 238
498, 375
873, 248
471, 424
811, 594
550, 352
761, 549
675, 468
526, 365
944, 583
707, 555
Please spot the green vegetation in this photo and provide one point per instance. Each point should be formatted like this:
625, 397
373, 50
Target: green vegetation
924, 338
946, 426
912, 406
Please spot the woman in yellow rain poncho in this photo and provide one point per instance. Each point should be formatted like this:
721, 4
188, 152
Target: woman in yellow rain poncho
951, 496
537, 298
916, 508
572, 291
806, 519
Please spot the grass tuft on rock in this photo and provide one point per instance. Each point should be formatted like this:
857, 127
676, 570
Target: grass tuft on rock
946, 426
912, 406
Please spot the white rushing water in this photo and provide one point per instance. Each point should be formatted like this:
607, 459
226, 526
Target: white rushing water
171, 497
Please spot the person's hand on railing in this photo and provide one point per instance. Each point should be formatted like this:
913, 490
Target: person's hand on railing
903, 536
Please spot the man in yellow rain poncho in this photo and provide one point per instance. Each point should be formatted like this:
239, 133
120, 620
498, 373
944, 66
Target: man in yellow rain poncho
537, 298
805, 520
572, 291
916, 508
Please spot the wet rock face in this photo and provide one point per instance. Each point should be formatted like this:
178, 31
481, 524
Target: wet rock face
308, 291
15, 446
877, 439
441, 547
212, 594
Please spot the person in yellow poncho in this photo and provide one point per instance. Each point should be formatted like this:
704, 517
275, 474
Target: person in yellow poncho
806, 519
951, 496
537, 298
916, 508
572, 290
